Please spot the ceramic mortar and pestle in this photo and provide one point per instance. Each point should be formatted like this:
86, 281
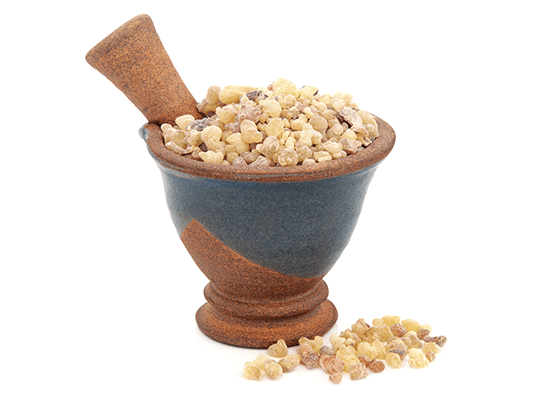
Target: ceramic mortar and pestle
264, 236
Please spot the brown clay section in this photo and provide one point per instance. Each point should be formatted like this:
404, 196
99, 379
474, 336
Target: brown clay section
267, 309
251, 306
134, 59
234, 276
260, 334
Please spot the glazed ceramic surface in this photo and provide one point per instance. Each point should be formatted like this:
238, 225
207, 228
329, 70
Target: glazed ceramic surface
295, 228
265, 237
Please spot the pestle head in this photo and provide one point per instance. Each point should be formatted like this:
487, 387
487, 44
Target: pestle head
133, 58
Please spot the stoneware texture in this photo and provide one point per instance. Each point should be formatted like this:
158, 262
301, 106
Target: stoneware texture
135, 61
265, 237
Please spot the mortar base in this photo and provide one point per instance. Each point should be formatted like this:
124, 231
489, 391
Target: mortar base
261, 333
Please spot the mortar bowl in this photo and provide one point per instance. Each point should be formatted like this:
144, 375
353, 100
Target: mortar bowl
266, 236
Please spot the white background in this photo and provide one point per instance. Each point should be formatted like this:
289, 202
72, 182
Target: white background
97, 293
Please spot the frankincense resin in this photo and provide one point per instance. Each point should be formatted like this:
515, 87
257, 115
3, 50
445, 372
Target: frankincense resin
278, 125
357, 351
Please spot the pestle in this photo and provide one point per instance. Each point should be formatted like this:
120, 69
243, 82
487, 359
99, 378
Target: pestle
134, 59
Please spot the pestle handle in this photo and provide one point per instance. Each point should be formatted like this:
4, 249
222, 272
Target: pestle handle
134, 59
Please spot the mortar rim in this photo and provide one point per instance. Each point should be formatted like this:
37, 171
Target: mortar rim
372, 154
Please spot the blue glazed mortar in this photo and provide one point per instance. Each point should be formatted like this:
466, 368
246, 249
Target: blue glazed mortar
265, 237
294, 228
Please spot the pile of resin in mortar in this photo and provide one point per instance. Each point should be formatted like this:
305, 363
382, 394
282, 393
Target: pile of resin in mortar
280, 125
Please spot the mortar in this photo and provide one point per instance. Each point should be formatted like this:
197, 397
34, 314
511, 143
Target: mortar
264, 236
